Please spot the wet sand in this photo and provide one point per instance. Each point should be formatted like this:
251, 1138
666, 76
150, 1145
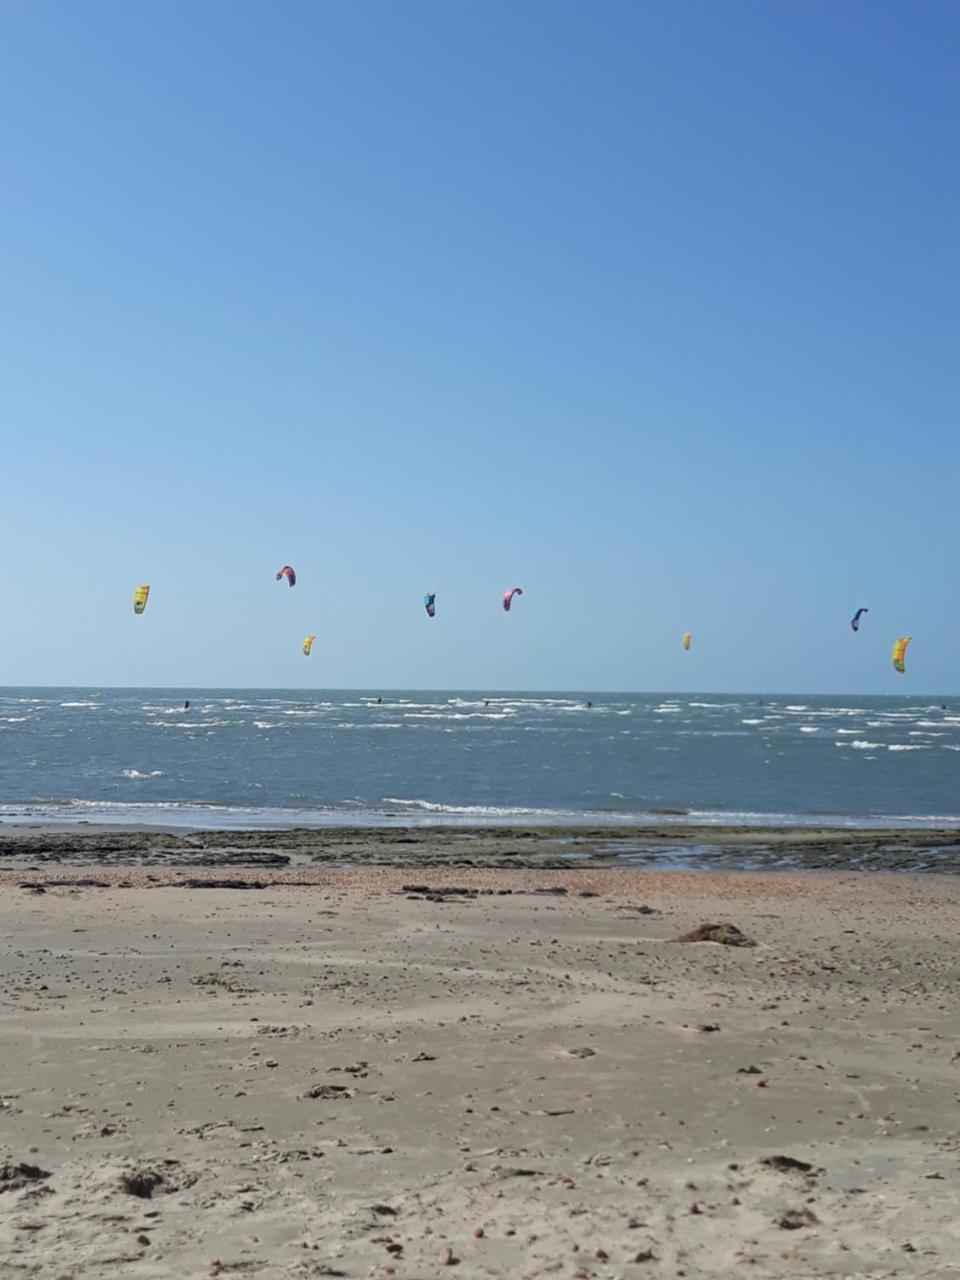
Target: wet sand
389, 1071
663, 845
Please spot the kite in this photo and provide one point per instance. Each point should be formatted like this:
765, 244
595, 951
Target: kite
855, 620
308, 645
287, 572
508, 597
140, 599
429, 603
900, 652
687, 637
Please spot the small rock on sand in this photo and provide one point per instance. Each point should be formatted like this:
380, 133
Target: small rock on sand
787, 1164
141, 1182
793, 1219
728, 935
13, 1177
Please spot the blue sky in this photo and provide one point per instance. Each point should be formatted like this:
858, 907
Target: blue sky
651, 309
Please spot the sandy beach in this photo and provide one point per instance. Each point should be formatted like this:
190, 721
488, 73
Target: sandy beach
480, 675
381, 1072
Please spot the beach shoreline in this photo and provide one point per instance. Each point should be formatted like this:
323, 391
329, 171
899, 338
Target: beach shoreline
647, 847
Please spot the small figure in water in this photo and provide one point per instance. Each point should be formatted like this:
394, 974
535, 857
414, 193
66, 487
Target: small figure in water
186, 705
589, 704
379, 700
487, 703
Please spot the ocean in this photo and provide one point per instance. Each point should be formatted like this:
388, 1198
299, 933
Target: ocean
244, 758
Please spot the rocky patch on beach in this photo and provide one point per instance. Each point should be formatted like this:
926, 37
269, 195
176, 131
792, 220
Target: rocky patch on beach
543, 848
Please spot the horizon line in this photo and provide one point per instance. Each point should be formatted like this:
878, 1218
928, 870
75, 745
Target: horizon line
544, 689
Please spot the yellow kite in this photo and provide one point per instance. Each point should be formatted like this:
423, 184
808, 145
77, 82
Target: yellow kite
140, 599
900, 652
687, 637
308, 644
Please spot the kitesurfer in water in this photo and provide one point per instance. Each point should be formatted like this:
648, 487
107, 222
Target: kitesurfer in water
186, 705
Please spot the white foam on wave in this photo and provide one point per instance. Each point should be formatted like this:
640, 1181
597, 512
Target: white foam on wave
136, 774
457, 715
776, 819
379, 724
809, 728
189, 724
91, 705
823, 713
751, 722
861, 744
385, 704
906, 746
15, 719
515, 708
235, 704
265, 724
386, 724
479, 810
543, 704
200, 815
274, 707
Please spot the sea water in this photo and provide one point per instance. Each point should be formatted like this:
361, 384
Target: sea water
268, 758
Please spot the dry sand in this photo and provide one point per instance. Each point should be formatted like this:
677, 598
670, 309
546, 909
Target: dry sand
337, 1078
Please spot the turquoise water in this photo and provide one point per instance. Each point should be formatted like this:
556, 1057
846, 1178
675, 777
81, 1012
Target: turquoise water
246, 757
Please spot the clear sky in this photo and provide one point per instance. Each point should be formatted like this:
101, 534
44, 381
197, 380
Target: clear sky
650, 309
